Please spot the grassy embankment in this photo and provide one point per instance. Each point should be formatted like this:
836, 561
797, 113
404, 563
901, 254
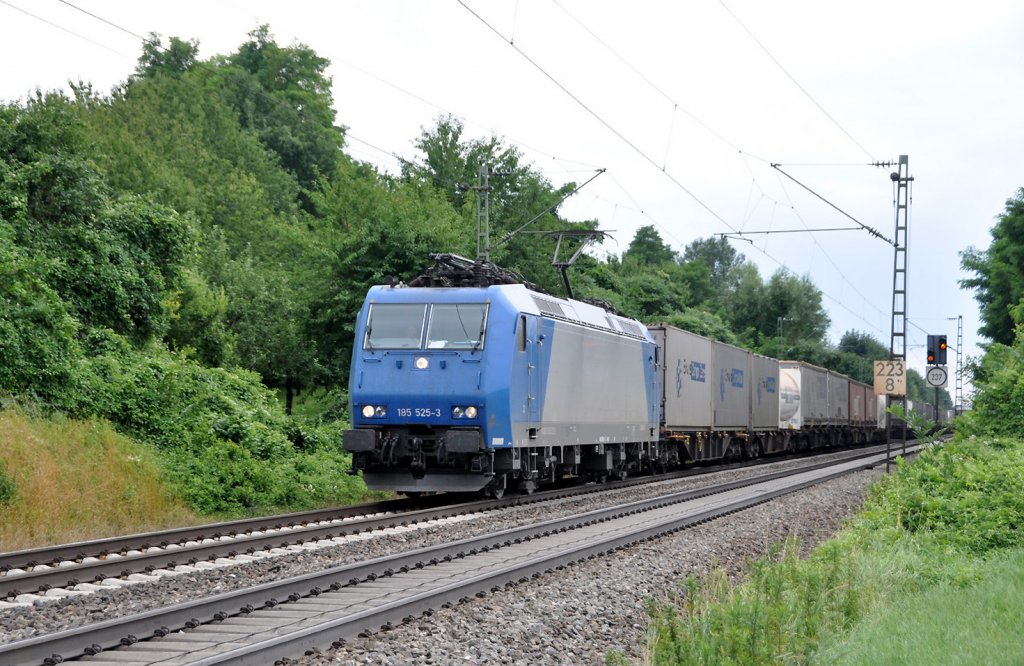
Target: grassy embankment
65, 480
931, 571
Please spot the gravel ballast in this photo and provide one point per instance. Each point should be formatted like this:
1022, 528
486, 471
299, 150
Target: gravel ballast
576, 615
581, 614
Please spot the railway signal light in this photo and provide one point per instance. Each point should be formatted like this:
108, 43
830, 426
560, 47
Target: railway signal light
937, 350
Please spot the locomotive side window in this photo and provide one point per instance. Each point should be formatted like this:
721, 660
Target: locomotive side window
457, 326
521, 334
394, 326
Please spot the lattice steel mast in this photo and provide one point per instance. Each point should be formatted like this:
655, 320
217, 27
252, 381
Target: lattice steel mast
898, 336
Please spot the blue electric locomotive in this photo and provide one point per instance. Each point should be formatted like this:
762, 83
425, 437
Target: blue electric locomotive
493, 387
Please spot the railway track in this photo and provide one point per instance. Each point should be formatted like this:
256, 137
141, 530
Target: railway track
27, 575
288, 617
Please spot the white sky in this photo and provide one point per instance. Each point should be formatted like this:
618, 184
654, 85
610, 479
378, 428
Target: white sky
942, 82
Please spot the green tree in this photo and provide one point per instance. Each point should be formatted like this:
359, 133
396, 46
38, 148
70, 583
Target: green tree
283, 94
111, 258
999, 272
856, 354
721, 259
373, 229
647, 248
177, 58
518, 193
38, 336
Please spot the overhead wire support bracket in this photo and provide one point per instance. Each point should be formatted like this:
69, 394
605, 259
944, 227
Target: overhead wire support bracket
738, 235
507, 237
874, 232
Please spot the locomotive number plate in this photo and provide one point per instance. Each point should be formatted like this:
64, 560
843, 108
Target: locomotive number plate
419, 412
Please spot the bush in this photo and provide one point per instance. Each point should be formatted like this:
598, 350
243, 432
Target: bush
226, 478
38, 348
967, 495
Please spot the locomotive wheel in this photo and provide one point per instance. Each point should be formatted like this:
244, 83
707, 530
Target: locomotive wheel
496, 488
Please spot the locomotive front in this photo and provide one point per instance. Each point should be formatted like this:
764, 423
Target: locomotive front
417, 388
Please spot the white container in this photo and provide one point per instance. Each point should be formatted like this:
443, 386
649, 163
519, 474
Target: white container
731, 387
686, 366
764, 396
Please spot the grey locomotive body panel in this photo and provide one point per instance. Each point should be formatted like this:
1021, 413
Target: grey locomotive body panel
686, 367
764, 392
731, 397
594, 388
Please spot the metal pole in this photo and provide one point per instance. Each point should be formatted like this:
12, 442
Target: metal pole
487, 211
898, 338
958, 408
780, 338
483, 216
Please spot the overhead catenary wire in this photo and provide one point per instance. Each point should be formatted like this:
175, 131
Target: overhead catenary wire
598, 117
63, 29
793, 79
743, 155
829, 257
636, 149
675, 104
507, 237
103, 20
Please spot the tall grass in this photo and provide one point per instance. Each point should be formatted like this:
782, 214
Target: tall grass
927, 535
946, 624
66, 480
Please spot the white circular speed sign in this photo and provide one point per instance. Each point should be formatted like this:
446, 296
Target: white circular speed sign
937, 376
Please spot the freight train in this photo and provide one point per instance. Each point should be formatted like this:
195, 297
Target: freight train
491, 387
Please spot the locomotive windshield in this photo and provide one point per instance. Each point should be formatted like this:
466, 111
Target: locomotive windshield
457, 326
395, 326
401, 325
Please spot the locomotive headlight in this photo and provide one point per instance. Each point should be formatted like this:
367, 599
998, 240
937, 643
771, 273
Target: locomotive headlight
380, 412
367, 411
464, 412
422, 363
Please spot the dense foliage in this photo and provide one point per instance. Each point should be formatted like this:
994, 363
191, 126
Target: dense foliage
999, 273
175, 252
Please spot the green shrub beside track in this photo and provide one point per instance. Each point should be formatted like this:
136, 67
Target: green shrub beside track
936, 533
